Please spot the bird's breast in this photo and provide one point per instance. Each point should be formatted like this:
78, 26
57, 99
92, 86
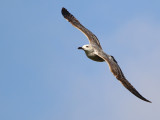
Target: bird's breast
94, 57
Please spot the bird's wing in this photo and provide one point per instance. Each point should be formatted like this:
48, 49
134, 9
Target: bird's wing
91, 37
117, 72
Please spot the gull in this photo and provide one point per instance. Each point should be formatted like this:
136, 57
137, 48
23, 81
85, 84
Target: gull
95, 52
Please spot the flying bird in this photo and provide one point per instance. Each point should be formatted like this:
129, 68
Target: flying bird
95, 52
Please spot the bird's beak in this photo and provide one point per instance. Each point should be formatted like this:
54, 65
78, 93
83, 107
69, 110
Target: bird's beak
80, 48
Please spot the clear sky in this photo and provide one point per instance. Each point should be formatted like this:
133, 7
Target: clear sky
43, 76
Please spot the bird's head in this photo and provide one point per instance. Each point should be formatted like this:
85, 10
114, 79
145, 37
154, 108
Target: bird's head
86, 47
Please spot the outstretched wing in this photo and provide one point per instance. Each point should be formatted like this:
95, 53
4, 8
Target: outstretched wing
91, 37
113, 65
117, 72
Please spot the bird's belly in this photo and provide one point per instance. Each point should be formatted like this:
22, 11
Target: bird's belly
95, 58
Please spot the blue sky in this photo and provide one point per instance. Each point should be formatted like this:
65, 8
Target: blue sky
44, 75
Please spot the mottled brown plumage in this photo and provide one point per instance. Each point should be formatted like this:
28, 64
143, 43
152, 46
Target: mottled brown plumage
97, 50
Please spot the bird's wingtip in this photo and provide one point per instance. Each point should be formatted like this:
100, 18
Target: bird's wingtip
63, 8
146, 100
64, 11
149, 101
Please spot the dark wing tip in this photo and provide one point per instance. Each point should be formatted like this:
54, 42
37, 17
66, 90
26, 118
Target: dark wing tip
141, 97
69, 17
128, 86
65, 12
147, 101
